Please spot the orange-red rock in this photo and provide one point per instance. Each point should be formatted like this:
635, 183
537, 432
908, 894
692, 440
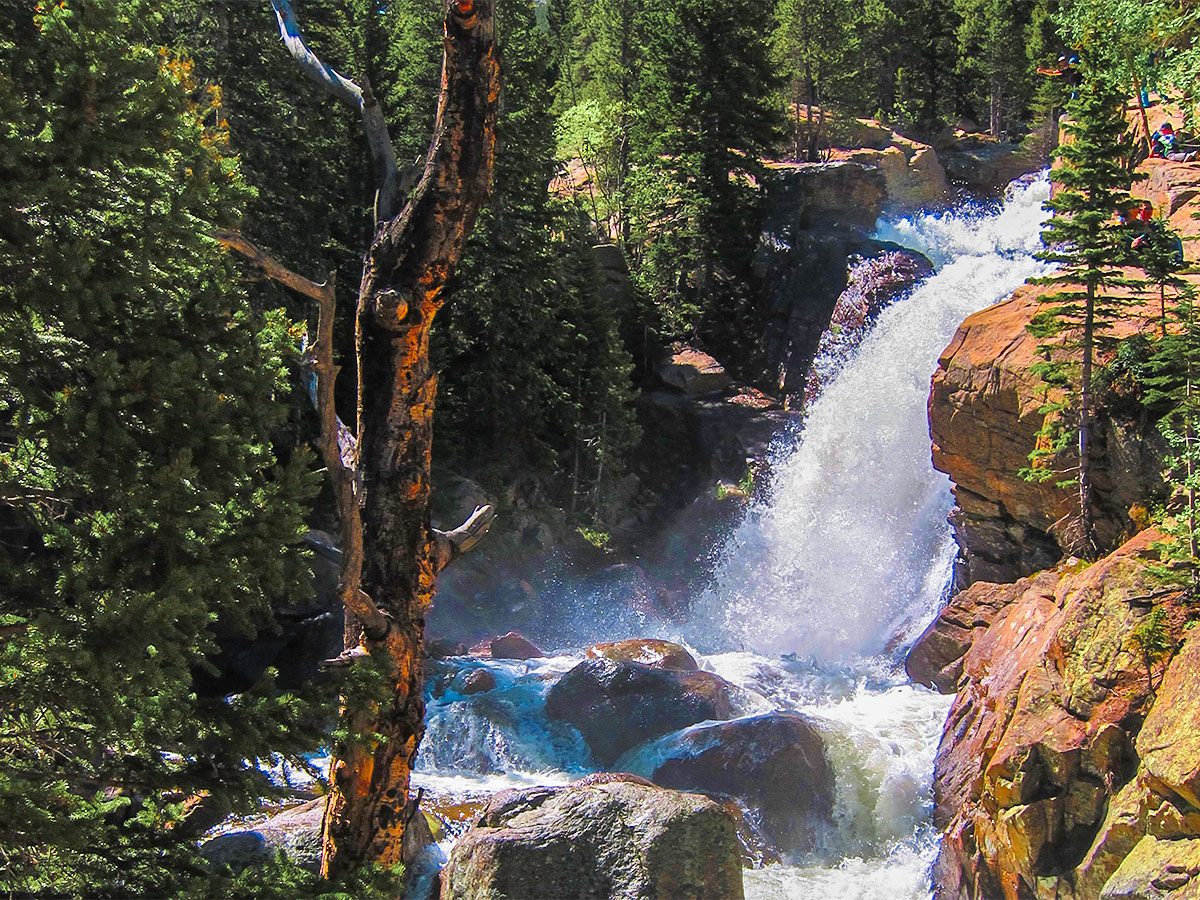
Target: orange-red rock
1040, 732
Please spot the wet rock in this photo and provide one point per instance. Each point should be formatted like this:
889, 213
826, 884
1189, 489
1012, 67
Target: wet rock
443, 648
693, 371
806, 272
1038, 738
647, 651
773, 765
507, 646
873, 283
618, 705
622, 838
472, 681
936, 658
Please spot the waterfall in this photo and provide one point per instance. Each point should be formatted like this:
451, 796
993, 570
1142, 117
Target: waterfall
851, 544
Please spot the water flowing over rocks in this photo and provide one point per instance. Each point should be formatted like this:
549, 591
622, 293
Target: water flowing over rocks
606, 837
773, 765
984, 418
647, 651
1047, 779
618, 705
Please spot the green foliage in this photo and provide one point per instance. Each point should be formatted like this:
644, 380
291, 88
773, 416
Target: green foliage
535, 377
283, 879
1086, 242
141, 502
1151, 640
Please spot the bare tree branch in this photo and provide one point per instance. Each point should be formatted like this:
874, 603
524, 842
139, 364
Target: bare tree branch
271, 267
338, 449
453, 544
383, 154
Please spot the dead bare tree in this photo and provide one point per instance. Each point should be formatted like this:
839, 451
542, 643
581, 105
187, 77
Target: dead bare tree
391, 554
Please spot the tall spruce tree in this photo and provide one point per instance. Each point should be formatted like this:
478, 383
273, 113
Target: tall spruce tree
141, 503
1084, 238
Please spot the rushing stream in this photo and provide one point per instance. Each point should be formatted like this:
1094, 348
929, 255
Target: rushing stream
813, 596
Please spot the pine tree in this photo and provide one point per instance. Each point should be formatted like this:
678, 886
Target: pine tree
141, 503
1085, 240
705, 117
1172, 380
531, 363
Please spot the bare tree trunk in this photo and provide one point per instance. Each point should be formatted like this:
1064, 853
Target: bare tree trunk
1085, 425
403, 284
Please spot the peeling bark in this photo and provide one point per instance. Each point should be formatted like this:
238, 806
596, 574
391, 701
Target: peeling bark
390, 553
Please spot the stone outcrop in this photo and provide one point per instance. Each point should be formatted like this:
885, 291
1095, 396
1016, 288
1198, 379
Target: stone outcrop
618, 705
814, 250
1046, 779
598, 839
647, 651
936, 657
984, 420
511, 645
913, 175
773, 765
982, 164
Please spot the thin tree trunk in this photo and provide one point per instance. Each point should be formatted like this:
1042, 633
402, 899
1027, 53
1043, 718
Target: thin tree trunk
1085, 424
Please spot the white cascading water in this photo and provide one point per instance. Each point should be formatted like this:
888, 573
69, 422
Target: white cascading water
849, 555
852, 542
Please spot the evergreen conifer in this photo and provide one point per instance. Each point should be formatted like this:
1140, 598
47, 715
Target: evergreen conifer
141, 503
1085, 239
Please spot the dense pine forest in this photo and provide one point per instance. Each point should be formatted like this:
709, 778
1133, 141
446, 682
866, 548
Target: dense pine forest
161, 417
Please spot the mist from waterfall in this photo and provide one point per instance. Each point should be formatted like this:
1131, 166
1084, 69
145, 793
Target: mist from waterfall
850, 546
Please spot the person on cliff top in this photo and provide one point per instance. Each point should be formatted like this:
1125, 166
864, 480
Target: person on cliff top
1164, 145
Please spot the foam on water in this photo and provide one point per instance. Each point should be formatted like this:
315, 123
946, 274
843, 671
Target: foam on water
851, 545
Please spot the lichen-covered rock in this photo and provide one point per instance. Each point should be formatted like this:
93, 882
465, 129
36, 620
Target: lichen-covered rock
1157, 870
607, 839
618, 705
647, 651
774, 765
1038, 737
1169, 742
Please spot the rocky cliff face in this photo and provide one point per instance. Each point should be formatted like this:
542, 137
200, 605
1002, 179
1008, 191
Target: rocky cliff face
984, 420
815, 250
1060, 773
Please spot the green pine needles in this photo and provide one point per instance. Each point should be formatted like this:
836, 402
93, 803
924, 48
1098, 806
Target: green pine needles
1085, 239
141, 502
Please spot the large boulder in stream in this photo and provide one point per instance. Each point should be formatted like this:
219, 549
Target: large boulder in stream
647, 651
618, 705
608, 837
773, 765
